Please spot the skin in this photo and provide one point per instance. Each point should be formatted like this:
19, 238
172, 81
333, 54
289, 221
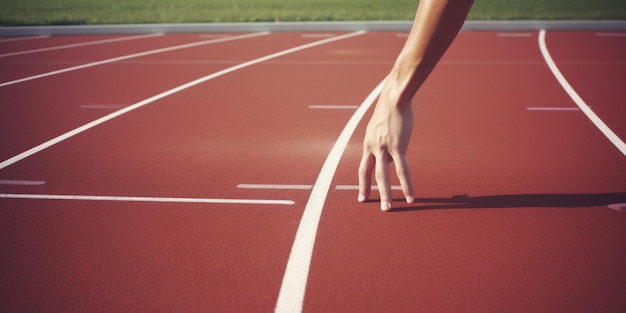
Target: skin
436, 24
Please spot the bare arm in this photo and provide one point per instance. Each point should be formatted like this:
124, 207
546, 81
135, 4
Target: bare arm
437, 22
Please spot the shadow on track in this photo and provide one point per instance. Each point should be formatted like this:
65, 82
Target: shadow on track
515, 201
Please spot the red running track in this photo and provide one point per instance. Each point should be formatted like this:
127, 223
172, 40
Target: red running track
520, 203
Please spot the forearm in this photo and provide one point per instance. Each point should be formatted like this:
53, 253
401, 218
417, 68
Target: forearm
436, 24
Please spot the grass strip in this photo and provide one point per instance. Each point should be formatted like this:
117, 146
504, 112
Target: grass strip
80, 12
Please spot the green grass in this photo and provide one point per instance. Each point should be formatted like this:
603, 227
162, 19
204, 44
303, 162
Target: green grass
55, 12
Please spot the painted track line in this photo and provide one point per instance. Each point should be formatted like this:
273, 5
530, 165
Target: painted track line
611, 34
304, 187
619, 144
145, 199
167, 93
89, 43
553, 109
130, 56
23, 38
22, 182
274, 186
292, 290
514, 35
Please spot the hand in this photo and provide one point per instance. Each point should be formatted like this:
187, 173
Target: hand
386, 139
387, 135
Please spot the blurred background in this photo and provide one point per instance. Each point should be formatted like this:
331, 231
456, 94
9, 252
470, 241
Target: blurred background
79, 12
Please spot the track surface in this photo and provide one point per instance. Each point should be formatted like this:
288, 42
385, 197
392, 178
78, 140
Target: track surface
521, 199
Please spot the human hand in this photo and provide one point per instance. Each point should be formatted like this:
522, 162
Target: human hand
386, 140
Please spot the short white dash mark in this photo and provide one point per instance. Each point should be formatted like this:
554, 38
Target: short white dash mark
553, 109
22, 182
611, 34
514, 35
274, 186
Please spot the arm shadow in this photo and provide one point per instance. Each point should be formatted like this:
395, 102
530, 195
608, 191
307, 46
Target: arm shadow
515, 201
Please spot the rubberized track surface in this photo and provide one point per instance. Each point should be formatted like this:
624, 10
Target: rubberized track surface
171, 173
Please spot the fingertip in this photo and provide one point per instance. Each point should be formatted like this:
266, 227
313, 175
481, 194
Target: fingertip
385, 206
410, 199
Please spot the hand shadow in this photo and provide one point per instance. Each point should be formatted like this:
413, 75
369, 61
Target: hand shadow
515, 201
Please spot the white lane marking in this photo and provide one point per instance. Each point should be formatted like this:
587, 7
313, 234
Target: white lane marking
24, 38
553, 109
102, 106
164, 94
620, 207
274, 186
317, 35
356, 187
611, 34
334, 107
89, 43
303, 187
513, 34
576, 98
293, 287
145, 199
130, 56
402, 35
21, 182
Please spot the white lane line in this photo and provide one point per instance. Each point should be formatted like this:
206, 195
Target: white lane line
356, 187
145, 199
304, 187
274, 186
291, 296
24, 38
513, 34
553, 109
21, 182
89, 43
130, 56
334, 107
611, 34
576, 98
164, 94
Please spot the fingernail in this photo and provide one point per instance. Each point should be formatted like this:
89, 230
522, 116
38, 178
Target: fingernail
361, 198
385, 205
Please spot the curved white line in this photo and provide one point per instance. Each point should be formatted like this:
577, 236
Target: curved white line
576, 98
291, 296
167, 93
130, 56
